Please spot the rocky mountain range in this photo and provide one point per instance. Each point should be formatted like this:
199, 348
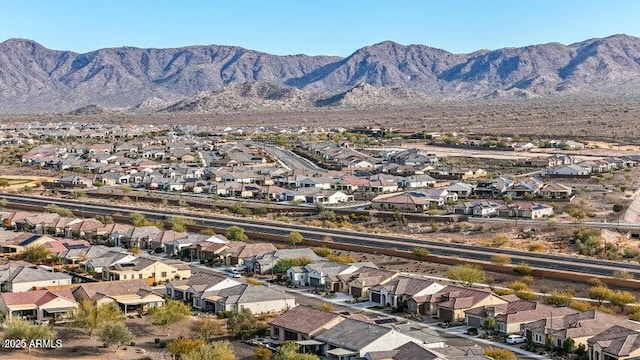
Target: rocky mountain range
226, 78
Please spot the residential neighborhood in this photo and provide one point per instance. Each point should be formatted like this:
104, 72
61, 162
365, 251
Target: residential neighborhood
139, 265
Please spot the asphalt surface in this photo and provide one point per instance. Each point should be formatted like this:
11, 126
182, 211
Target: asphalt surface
584, 265
293, 161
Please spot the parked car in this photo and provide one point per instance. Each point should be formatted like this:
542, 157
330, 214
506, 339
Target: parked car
234, 274
239, 269
516, 339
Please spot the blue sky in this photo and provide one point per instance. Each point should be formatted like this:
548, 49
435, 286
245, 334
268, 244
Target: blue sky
330, 27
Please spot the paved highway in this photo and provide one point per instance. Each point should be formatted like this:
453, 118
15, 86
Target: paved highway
634, 228
545, 261
292, 160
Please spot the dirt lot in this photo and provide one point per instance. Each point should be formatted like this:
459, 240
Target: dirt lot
563, 116
78, 345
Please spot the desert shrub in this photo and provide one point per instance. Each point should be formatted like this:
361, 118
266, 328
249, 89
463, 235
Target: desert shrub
559, 298
499, 240
537, 247
501, 259
322, 251
526, 295
497, 353
502, 291
523, 269
342, 259
420, 252
631, 252
580, 305
518, 286
588, 241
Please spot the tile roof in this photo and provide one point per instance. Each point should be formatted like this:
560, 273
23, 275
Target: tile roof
24, 274
201, 281
304, 319
408, 351
112, 288
617, 340
37, 297
352, 334
245, 293
406, 285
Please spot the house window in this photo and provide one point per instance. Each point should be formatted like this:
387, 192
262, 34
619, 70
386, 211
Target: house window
124, 277
139, 276
276, 331
163, 274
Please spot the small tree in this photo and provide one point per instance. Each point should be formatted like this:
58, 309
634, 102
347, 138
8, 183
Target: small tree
219, 350
569, 346
91, 317
262, 353
207, 328
136, 219
36, 253
115, 334
236, 233
507, 198
183, 346
294, 238
497, 353
489, 324
242, 324
467, 273
289, 351
170, 313
600, 293
621, 299
178, 223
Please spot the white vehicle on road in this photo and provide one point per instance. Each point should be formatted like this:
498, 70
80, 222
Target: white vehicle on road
516, 339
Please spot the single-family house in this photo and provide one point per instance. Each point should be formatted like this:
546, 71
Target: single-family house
315, 274
129, 295
199, 283
261, 264
42, 306
258, 299
481, 208
398, 291
510, 317
450, 303
24, 278
579, 326
302, 323
614, 343
142, 268
351, 339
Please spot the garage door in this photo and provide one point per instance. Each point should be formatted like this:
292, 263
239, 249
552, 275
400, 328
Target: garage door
356, 292
445, 315
474, 321
375, 297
